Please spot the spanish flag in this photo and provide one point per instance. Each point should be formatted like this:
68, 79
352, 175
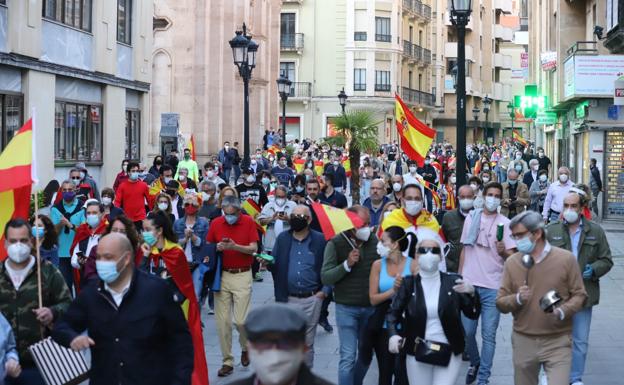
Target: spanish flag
192, 147
299, 164
398, 217
346, 163
416, 137
253, 210
518, 138
16, 178
334, 221
319, 167
177, 267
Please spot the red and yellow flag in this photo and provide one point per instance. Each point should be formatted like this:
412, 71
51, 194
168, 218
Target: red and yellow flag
334, 221
346, 163
518, 138
416, 137
299, 164
16, 178
273, 150
319, 167
177, 266
191, 147
253, 210
398, 217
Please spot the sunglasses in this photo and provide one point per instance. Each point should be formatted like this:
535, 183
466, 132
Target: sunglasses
425, 250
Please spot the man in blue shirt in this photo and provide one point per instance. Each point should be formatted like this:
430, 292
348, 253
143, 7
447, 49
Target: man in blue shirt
339, 173
283, 173
296, 271
330, 196
226, 158
376, 201
66, 216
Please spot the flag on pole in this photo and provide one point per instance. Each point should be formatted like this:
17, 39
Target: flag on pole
416, 137
518, 138
334, 221
192, 147
16, 178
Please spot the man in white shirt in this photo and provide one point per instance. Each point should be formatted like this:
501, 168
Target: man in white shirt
553, 205
275, 215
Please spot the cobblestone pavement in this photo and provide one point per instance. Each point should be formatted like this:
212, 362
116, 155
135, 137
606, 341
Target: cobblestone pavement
604, 364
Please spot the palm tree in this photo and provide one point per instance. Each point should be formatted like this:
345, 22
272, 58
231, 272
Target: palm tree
357, 131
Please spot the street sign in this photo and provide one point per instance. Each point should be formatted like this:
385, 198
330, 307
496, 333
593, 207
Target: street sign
169, 123
546, 118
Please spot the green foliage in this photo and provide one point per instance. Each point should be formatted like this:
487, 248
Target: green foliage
358, 129
32, 202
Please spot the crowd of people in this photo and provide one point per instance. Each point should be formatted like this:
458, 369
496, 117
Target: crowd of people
126, 270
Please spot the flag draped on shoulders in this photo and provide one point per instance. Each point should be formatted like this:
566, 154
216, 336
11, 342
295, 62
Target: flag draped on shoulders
319, 167
177, 266
16, 178
334, 221
299, 164
416, 137
398, 217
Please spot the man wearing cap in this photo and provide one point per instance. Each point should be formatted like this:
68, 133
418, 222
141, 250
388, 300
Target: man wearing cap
277, 335
85, 178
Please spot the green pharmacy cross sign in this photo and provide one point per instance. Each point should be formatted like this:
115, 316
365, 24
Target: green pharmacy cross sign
531, 102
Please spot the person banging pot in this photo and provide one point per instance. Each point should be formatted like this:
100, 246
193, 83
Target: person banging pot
432, 302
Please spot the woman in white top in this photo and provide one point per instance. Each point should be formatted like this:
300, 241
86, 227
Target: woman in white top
432, 302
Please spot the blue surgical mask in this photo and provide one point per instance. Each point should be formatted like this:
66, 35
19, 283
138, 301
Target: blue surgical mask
512, 182
525, 245
266, 181
149, 238
107, 270
231, 218
37, 232
134, 175
93, 220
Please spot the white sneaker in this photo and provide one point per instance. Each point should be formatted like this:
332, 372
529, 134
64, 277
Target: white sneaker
578, 383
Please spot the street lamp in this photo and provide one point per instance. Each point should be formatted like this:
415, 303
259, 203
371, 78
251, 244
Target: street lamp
486, 110
283, 87
475, 115
460, 15
244, 51
342, 98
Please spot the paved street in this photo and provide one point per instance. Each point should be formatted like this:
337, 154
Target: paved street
604, 366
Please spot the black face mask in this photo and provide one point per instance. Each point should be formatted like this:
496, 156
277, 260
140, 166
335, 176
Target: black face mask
172, 193
298, 224
158, 163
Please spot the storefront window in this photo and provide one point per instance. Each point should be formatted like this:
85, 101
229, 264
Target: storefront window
77, 132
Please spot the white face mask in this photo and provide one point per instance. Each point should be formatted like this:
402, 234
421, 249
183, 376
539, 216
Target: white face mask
413, 207
466, 204
363, 234
396, 187
205, 197
18, 252
251, 179
274, 366
163, 206
382, 250
210, 174
106, 201
428, 262
412, 170
563, 178
570, 216
279, 202
485, 179
474, 186
453, 179
182, 177
543, 178
492, 203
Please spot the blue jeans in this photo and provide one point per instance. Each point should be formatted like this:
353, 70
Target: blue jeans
489, 323
226, 173
351, 321
580, 337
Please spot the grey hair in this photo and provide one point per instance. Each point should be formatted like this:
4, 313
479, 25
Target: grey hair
208, 183
230, 201
533, 161
532, 220
183, 168
68, 181
512, 171
282, 188
306, 208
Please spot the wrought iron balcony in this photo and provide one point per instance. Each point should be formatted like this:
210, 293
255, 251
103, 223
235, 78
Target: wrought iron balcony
417, 97
300, 90
291, 42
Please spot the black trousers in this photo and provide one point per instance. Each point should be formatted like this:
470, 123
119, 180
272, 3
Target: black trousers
389, 364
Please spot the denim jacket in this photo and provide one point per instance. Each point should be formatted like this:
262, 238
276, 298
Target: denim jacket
200, 229
8, 348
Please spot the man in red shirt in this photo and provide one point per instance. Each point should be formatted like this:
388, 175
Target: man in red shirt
132, 195
236, 236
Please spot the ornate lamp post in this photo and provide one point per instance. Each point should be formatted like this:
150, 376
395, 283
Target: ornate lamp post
475, 115
460, 15
512, 114
342, 98
244, 50
283, 87
487, 102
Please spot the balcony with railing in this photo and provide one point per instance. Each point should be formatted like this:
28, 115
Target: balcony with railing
503, 6
292, 42
292, 1
414, 52
300, 90
421, 98
426, 56
416, 8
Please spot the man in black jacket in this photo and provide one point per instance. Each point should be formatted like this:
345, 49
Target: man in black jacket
276, 338
137, 333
